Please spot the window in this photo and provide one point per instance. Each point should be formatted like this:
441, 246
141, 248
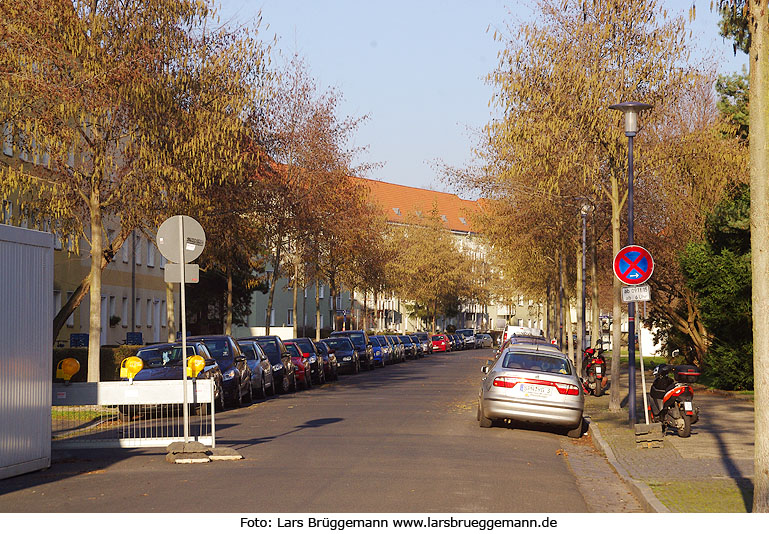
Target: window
321, 321
139, 251
7, 212
163, 313
290, 318
463, 220
56, 302
124, 249
320, 291
339, 302
138, 312
111, 310
272, 317
124, 322
149, 312
7, 140
57, 241
444, 218
71, 318
397, 211
162, 262
150, 254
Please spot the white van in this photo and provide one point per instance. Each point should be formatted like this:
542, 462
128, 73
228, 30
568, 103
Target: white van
520, 331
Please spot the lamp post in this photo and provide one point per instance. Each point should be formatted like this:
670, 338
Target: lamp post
586, 208
631, 110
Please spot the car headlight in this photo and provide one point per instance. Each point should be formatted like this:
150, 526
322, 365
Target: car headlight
312, 359
347, 359
277, 367
230, 374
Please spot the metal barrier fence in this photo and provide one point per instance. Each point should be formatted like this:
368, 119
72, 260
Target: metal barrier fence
138, 414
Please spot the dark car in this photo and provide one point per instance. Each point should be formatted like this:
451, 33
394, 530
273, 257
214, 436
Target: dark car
468, 337
420, 350
400, 355
346, 355
164, 362
301, 364
236, 373
283, 371
424, 339
409, 350
262, 381
330, 365
362, 345
310, 351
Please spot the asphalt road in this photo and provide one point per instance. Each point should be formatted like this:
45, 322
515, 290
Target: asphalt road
400, 439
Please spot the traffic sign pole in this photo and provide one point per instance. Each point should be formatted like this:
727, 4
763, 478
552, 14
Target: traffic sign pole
185, 408
631, 305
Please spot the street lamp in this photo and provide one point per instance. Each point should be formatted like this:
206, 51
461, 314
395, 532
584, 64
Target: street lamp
631, 110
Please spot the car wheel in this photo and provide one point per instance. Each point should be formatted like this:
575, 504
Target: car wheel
293, 383
576, 432
219, 403
285, 384
261, 393
484, 421
237, 402
307, 379
249, 397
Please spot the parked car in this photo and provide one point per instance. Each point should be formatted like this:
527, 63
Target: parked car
387, 349
262, 381
398, 348
420, 351
164, 362
330, 365
424, 339
532, 385
362, 345
452, 341
236, 373
346, 355
468, 337
310, 351
483, 341
378, 351
301, 364
283, 370
440, 343
409, 350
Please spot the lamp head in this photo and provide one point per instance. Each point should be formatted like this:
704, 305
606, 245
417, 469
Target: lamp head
631, 109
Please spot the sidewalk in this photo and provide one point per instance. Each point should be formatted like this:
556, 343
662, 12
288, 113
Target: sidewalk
710, 471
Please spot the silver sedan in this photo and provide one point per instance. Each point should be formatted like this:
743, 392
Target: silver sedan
531, 385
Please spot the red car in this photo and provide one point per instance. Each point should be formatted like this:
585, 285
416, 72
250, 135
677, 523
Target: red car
301, 363
441, 343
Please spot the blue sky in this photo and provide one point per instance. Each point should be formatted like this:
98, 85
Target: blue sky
416, 68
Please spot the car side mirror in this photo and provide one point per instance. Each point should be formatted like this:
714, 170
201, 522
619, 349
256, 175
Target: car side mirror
240, 359
489, 362
485, 369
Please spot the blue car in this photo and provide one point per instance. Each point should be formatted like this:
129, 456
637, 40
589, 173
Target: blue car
378, 352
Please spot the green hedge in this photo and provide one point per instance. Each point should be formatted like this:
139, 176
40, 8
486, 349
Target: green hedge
109, 364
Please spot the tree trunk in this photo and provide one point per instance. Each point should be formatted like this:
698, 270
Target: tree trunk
82, 290
561, 315
759, 240
570, 331
294, 321
595, 330
94, 330
273, 283
228, 312
317, 310
365, 310
170, 317
615, 398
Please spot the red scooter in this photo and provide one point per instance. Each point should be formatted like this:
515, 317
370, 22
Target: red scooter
671, 402
594, 375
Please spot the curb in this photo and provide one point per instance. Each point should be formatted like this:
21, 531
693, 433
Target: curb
641, 491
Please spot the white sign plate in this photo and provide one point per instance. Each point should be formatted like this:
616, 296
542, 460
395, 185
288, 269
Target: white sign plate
640, 293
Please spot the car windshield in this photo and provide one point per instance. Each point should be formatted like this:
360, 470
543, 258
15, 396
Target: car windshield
375, 342
164, 356
339, 343
270, 348
423, 337
248, 350
358, 340
405, 339
466, 333
293, 350
219, 348
305, 345
536, 362
437, 338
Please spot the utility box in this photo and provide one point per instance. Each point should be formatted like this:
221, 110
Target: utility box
26, 333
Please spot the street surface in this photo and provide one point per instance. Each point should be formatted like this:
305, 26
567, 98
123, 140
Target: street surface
395, 440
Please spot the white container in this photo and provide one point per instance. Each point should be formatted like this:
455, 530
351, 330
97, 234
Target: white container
26, 331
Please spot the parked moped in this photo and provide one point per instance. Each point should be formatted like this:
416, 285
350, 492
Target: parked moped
671, 401
594, 375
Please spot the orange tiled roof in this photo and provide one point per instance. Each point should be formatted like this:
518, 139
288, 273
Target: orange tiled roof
398, 201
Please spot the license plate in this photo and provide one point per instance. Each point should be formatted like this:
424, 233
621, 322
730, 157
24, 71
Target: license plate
687, 406
598, 369
535, 390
